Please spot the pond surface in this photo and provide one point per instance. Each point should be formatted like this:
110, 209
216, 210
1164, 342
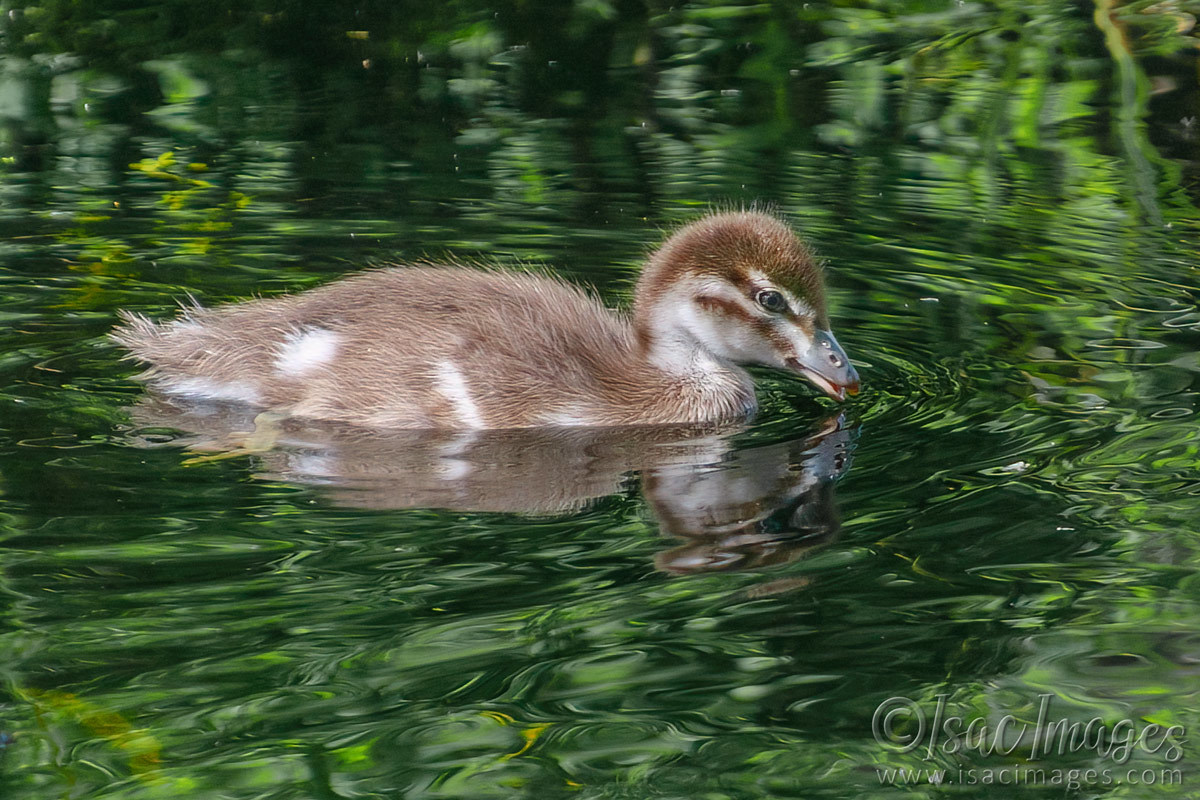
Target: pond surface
1004, 519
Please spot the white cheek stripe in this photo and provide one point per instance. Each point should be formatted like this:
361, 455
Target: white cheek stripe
304, 351
453, 386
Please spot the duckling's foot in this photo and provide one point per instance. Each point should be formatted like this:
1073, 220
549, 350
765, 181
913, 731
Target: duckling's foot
243, 443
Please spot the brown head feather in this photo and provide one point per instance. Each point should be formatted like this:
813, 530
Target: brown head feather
731, 246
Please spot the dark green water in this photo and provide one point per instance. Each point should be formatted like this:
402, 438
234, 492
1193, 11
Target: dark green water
1006, 516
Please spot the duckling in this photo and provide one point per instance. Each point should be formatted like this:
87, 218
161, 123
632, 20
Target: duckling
463, 348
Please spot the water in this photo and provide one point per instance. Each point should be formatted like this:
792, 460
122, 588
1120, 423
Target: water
1005, 517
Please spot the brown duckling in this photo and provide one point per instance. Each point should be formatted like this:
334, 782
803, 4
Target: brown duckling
457, 347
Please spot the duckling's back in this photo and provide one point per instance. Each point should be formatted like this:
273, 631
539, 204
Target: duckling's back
402, 347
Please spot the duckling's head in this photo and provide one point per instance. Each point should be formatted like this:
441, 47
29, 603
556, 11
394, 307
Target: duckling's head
741, 288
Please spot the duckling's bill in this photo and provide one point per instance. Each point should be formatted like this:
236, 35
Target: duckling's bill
826, 365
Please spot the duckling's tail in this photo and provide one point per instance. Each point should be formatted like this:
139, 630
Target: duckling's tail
145, 339
188, 356
173, 343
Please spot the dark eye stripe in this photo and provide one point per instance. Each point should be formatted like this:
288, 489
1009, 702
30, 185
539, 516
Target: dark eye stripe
722, 306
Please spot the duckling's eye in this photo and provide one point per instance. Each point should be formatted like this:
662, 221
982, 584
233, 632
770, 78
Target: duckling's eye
771, 300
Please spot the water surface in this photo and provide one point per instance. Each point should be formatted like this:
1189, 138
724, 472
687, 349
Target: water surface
1005, 196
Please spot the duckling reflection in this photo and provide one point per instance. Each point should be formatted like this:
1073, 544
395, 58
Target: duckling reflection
736, 507
760, 506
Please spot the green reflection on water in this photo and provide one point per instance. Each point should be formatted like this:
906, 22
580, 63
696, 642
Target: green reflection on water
1002, 192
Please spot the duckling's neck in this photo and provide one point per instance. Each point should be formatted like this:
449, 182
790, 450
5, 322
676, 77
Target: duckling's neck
690, 369
676, 352
670, 335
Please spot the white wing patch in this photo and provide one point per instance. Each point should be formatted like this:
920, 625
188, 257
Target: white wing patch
209, 389
568, 416
306, 350
453, 386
